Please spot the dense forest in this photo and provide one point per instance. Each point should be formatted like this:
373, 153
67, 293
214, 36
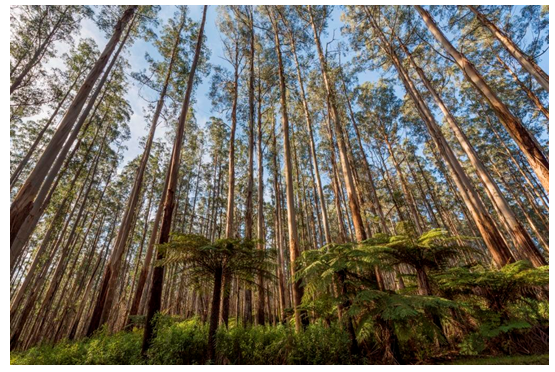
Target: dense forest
279, 184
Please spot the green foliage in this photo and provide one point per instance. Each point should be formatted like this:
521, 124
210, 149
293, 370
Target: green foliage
410, 316
281, 345
258, 345
186, 342
430, 250
320, 345
120, 348
180, 343
482, 309
320, 266
507, 304
392, 306
200, 259
475, 343
500, 288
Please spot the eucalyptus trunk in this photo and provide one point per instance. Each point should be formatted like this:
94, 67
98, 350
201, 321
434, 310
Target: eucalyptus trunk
525, 141
154, 301
525, 61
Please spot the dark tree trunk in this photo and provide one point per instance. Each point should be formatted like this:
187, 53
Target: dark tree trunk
214, 313
169, 204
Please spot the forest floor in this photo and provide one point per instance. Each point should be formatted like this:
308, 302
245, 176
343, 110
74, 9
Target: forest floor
484, 360
506, 359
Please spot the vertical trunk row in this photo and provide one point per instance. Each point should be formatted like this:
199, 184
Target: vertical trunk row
17, 172
525, 61
169, 202
347, 173
493, 239
23, 201
291, 213
523, 242
525, 141
250, 176
308, 119
261, 235
230, 210
111, 274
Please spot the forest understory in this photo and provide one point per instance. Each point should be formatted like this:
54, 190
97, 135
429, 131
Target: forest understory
185, 342
279, 184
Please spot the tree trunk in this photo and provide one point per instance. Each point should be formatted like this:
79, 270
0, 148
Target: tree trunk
169, 203
283, 297
248, 318
347, 174
312, 146
214, 314
525, 61
404, 185
493, 239
231, 156
231, 185
376, 205
42, 200
525, 141
17, 297
104, 302
343, 235
17, 172
291, 213
260, 213
522, 240
23, 201
149, 253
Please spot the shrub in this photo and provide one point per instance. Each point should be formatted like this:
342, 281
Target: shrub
281, 345
180, 343
256, 345
320, 345
62, 353
119, 348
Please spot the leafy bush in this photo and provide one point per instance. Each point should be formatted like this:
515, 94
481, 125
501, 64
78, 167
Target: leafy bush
522, 329
320, 345
281, 345
180, 343
256, 345
508, 305
62, 353
120, 348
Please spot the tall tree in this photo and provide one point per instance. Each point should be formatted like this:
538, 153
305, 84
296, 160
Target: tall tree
169, 203
23, 201
493, 239
523, 241
526, 142
525, 61
111, 272
36, 29
291, 213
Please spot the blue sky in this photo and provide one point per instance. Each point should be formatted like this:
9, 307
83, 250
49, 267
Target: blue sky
135, 55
